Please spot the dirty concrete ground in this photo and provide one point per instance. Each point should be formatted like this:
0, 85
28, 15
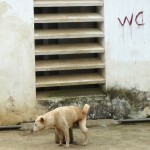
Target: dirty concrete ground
103, 135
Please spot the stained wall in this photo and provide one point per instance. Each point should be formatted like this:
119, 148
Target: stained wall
127, 30
17, 75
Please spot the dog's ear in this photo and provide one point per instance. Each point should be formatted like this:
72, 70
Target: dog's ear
42, 120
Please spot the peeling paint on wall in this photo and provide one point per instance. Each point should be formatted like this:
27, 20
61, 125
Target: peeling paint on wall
11, 112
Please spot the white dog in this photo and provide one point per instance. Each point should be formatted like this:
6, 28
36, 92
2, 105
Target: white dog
62, 119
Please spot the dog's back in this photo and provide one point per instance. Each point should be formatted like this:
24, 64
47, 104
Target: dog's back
70, 114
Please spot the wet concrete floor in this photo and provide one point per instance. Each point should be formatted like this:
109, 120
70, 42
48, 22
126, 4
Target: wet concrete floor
109, 137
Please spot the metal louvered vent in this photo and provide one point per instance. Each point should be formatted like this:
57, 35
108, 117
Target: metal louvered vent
69, 50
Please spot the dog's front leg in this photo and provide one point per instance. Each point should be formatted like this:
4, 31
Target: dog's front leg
60, 135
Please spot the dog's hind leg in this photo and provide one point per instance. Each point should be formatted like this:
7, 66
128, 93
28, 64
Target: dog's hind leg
84, 130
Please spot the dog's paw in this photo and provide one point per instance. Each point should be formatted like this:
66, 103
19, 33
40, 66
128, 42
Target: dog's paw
66, 146
85, 143
60, 144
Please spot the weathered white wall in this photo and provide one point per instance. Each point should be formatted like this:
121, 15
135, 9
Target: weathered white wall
128, 46
127, 53
17, 76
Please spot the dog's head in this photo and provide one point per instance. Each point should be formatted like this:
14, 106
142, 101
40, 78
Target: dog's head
43, 122
39, 124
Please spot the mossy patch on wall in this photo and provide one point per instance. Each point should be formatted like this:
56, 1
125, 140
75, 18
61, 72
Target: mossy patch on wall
115, 103
137, 99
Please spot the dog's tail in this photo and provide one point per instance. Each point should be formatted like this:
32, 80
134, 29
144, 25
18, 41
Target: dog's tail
86, 109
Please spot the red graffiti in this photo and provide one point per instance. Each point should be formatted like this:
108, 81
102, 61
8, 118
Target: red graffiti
138, 19
130, 22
